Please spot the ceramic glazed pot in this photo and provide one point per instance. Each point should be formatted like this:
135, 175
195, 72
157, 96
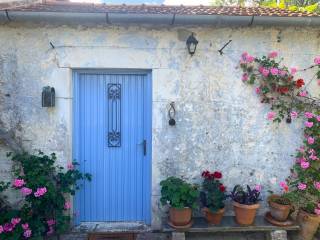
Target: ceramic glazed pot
213, 217
309, 224
180, 217
245, 214
278, 211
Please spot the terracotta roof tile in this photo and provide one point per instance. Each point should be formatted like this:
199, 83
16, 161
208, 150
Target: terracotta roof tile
160, 9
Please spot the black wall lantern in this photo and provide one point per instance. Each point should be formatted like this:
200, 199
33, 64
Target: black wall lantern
172, 114
48, 97
192, 43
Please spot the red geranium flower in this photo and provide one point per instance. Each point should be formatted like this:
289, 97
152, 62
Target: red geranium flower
299, 83
222, 188
217, 175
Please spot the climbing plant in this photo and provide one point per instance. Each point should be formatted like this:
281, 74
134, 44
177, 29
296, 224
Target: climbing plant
277, 85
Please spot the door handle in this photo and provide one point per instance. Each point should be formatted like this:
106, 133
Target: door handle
144, 147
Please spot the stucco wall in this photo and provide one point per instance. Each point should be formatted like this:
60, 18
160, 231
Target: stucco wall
221, 124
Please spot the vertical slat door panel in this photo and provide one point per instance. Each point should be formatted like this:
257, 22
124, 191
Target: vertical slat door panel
121, 175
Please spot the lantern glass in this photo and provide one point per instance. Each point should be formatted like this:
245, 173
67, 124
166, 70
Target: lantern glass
192, 43
48, 97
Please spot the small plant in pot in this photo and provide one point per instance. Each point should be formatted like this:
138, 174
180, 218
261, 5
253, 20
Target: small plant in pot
245, 203
212, 197
280, 206
182, 198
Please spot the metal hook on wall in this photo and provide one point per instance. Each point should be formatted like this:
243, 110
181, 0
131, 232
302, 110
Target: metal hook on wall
172, 114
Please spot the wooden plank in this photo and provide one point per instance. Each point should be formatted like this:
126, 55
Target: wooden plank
228, 224
111, 236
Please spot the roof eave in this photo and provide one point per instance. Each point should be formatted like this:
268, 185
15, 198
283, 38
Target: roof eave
155, 19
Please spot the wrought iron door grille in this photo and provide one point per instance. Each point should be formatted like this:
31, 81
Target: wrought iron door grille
114, 115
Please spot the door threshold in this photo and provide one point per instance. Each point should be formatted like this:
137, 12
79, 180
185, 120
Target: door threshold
112, 227
112, 236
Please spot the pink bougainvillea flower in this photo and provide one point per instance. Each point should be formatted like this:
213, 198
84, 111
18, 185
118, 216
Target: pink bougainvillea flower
51, 222
27, 233
293, 70
1, 229
273, 54
317, 185
282, 73
18, 183
302, 186
293, 115
40, 192
265, 72
70, 166
303, 93
25, 226
15, 221
304, 165
308, 124
245, 77
310, 140
67, 205
274, 71
308, 115
258, 188
26, 191
317, 60
271, 115
250, 59
258, 90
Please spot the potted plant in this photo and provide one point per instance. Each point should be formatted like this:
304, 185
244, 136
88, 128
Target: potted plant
212, 196
245, 204
280, 206
181, 197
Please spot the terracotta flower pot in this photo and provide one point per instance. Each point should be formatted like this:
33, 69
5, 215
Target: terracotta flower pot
279, 212
213, 217
309, 224
180, 217
245, 214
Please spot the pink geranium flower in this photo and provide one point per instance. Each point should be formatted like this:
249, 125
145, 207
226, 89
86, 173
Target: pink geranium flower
304, 164
250, 59
317, 185
18, 183
308, 124
27, 233
294, 115
318, 118
308, 115
284, 186
271, 115
310, 140
26, 191
8, 227
282, 73
273, 54
302, 186
1, 229
317, 211
317, 60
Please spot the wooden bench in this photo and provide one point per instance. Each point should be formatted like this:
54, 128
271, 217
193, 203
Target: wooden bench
228, 225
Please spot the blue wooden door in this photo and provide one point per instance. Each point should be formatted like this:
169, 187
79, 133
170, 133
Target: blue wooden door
112, 141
